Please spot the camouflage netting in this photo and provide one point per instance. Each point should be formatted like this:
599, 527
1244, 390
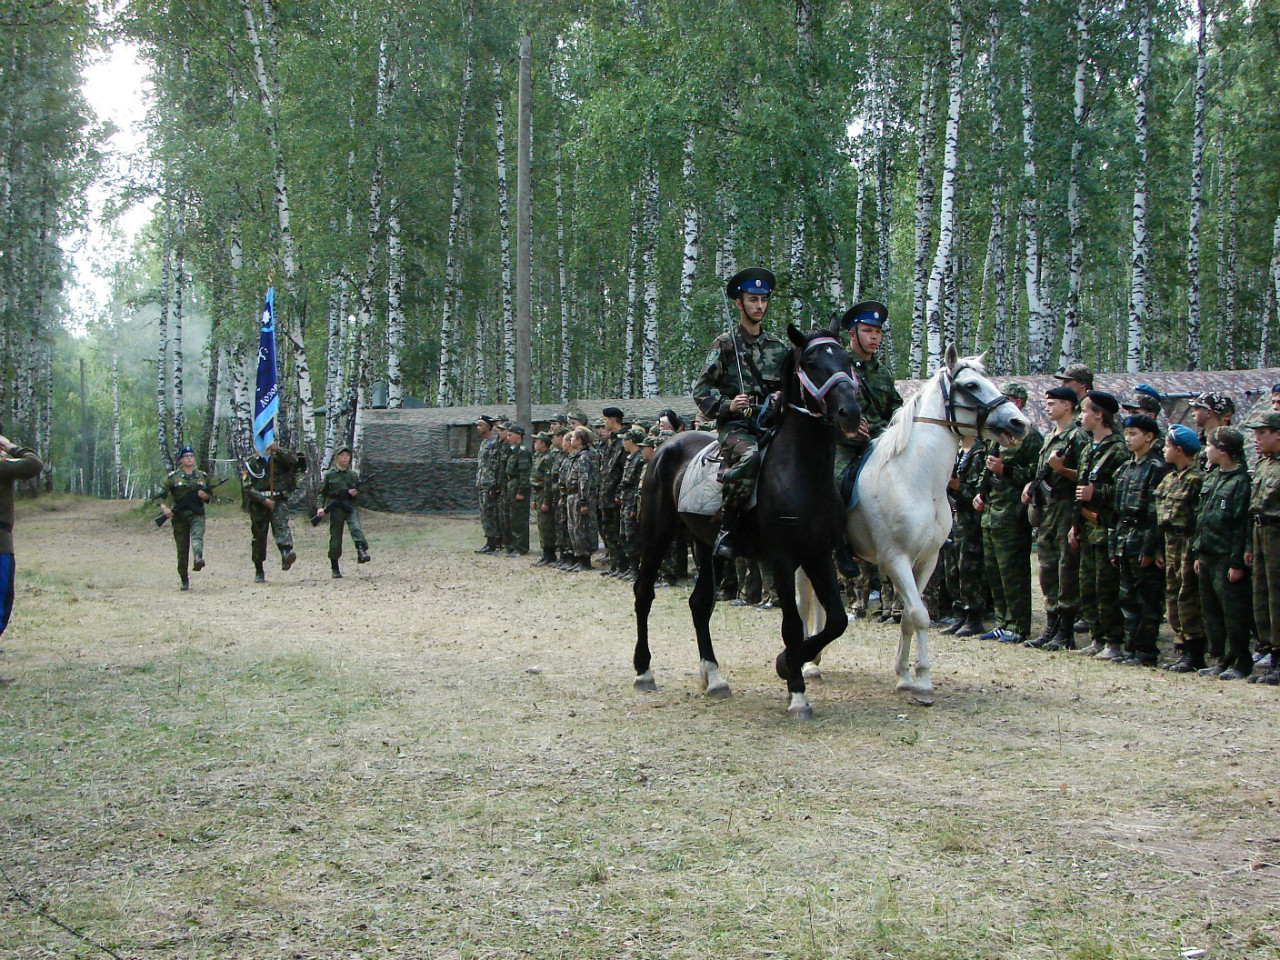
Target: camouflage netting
419, 460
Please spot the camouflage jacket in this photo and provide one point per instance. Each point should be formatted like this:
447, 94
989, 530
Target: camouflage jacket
541, 482
501, 457
1265, 501
1177, 499
879, 399
20, 463
1002, 493
612, 458
969, 467
1222, 522
519, 467
272, 480
632, 474
487, 463
580, 475
1071, 443
1133, 529
1099, 466
181, 488
758, 358
335, 484
562, 473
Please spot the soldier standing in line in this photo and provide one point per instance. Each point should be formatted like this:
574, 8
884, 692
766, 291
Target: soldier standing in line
18, 463
580, 481
1220, 543
1095, 493
1210, 411
612, 458
741, 371
1133, 540
1077, 378
501, 460
1052, 495
340, 487
1177, 501
187, 488
564, 542
629, 502
519, 467
268, 481
1006, 533
963, 567
486, 483
1146, 399
542, 497
1264, 557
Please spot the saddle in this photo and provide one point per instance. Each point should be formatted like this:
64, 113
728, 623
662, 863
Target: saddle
849, 479
699, 489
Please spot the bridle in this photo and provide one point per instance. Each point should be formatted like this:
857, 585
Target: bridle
811, 392
981, 408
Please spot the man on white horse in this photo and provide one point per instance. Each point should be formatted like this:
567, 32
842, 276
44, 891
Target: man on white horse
740, 373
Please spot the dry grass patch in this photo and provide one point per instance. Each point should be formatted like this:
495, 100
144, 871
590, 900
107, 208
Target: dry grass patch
442, 756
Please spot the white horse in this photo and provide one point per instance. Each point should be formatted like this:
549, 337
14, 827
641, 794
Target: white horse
902, 517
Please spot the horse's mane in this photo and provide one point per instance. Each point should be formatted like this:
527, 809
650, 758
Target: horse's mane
893, 442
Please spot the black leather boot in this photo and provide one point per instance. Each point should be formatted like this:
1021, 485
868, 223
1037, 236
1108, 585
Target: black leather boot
259, 575
362, 552
725, 549
334, 571
287, 557
1050, 631
972, 625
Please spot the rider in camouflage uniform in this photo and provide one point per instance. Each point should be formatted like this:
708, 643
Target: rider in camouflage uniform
740, 373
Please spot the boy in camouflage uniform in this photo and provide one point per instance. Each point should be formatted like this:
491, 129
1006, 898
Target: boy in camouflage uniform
564, 543
501, 458
1220, 543
267, 483
962, 560
487, 483
519, 466
612, 456
1133, 540
1177, 501
1006, 534
579, 485
340, 487
187, 489
542, 497
1264, 507
1095, 494
629, 502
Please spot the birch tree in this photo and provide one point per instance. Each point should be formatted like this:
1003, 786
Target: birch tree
925, 141
1067, 350
446, 370
947, 215
1039, 322
1138, 260
649, 354
504, 234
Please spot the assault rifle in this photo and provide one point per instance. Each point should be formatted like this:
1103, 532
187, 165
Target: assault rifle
190, 500
1040, 491
341, 502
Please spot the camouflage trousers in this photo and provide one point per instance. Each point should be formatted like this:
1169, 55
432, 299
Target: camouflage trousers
517, 522
1100, 593
1182, 595
611, 533
962, 566
583, 535
629, 532
740, 451
1059, 564
1226, 607
1006, 558
337, 520
1141, 606
489, 519
564, 544
1266, 586
188, 537
547, 529
260, 520
754, 582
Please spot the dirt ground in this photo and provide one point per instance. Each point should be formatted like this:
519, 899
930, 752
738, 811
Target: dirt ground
442, 756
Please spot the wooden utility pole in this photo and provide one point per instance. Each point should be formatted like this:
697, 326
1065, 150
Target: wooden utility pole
524, 240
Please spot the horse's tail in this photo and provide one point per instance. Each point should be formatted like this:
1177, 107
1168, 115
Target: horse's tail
811, 612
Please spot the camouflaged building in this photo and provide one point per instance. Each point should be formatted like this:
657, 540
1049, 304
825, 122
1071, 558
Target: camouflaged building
424, 459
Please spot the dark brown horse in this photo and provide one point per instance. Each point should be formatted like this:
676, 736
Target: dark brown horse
797, 520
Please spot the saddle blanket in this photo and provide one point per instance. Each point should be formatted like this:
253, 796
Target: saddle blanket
699, 486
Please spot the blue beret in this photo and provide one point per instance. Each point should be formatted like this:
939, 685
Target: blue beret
184, 451
1141, 421
1184, 437
871, 312
1148, 389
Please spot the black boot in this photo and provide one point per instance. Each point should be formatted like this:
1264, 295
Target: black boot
487, 548
972, 625
199, 564
287, 557
259, 575
725, 549
334, 572
362, 552
1065, 638
1050, 631
185, 585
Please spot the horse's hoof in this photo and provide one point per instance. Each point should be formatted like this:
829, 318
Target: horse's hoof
924, 699
812, 674
800, 713
721, 692
645, 683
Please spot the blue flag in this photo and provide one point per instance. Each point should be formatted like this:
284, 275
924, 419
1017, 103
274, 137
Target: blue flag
266, 401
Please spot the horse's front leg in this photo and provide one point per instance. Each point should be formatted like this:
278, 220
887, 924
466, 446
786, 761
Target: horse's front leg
915, 625
790, 662
701, 602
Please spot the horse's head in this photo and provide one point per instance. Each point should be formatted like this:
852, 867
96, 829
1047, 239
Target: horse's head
825, 384
975, 402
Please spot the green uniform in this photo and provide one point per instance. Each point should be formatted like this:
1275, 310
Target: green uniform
519, 465
1220, 542
487, 487
879, 399
181, 490
335, 486
629, 513
501, 457
1133, 540
275, 481
542, 497
1099, 583
1177, 501
1264, 508
1059, 564
962, 559
739, 364
563, 541
1006, 534
580, 482
612, 458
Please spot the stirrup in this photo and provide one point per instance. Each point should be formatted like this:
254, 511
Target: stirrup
724, 548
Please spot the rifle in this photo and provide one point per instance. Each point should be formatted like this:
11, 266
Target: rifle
1039, 490
341, 502
188, 501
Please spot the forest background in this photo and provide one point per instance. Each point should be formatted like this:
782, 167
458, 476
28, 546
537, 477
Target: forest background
1041, 180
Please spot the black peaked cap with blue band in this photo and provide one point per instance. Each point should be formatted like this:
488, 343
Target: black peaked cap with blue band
751, 280
871, 312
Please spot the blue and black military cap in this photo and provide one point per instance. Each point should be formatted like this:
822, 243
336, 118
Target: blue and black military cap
751, 280
1184, 437
871, 312
184, 451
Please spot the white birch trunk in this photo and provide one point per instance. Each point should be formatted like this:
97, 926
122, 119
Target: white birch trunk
504, 237
1138, 260
946, 225
995, 239
1230, 321
633, 267
859, 242
1197, 192
650, 359
924, 214
1067, 349
562, 270
796, 261
689, 264
1039, 323
1264, 348
162, 350
179, 285
116, 460
446, 371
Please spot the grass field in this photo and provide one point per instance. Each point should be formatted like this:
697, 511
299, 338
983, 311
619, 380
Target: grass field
442, 756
